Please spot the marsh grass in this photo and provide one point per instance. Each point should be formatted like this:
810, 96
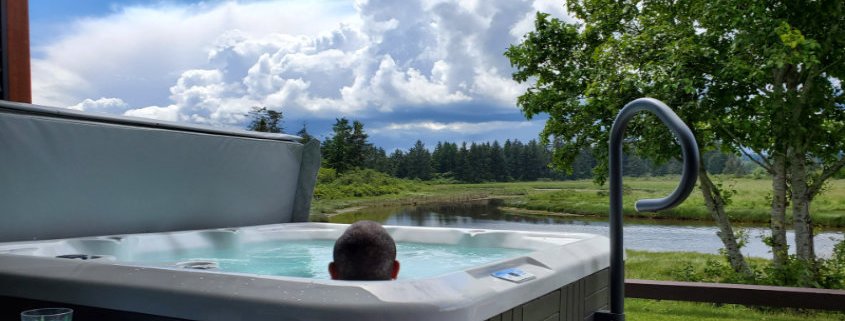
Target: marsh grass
749, 204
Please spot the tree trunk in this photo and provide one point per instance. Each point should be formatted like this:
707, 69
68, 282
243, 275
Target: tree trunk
801, 210
716, 205
780, 249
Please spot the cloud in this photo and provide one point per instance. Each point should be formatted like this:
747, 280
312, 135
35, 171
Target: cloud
423, 62
102, 105
456, 127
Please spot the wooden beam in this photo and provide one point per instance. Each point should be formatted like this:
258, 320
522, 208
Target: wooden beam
760, 295
17, 80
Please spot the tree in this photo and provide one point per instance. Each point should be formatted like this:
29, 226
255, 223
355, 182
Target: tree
758, 78
348, 147
734, 166
337, 148
303, 133
583, 73
419, 162
265, 120
400, 164
358, 145
780, 73
462, 165
498, 167
715, 161
376, 158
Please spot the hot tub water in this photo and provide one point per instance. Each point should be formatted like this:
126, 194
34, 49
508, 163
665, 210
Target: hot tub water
310, 258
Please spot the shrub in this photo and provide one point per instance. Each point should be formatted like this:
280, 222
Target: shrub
357, 183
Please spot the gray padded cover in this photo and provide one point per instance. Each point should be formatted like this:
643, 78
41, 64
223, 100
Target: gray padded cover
68, 174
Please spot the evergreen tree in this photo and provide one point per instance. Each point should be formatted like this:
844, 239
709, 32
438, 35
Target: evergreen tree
498, 167
734, 166
337, 149
714, 161
462, 166
376, 158
583, 165
477, 166
358, 146
634, 166
437, 160
532, 162
399, 163
265, 120
303, 133
513, 157
419, 162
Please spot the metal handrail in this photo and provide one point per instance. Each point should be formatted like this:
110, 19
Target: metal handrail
689, 149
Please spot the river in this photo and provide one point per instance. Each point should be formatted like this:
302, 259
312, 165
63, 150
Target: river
648, 235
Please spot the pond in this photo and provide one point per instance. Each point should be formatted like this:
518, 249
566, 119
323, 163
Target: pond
648, 235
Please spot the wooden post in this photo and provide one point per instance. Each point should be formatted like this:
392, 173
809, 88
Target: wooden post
16, 78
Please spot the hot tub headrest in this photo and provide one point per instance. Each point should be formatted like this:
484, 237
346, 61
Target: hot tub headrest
66, 173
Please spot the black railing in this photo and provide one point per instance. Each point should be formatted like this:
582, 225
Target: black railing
689, 149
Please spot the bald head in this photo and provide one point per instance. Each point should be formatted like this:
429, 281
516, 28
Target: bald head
365, 251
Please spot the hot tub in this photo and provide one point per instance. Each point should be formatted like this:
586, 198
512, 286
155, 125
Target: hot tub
198, 275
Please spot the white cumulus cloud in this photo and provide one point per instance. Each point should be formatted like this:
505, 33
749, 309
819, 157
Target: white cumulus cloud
417, 63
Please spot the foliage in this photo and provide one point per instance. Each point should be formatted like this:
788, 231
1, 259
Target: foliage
348, 147
794, 272
695, 267
265, 120
357, 183
752, 78
305, 135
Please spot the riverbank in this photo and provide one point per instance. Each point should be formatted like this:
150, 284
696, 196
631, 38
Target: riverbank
749, 204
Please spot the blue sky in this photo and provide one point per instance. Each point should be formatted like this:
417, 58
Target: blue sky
426, 69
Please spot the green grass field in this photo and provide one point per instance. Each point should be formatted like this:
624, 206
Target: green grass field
750, 204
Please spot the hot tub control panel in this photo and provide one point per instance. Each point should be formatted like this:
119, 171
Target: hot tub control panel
514, 275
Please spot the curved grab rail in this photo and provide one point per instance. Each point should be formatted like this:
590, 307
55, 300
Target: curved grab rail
689, 148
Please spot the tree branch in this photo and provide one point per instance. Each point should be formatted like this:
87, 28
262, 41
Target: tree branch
765, 164
827, 173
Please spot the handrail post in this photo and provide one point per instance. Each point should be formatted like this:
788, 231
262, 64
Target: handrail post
689, 149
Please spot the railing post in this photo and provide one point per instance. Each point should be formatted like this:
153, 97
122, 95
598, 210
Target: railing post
689, 149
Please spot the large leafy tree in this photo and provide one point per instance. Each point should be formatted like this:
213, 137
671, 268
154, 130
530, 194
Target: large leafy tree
582, 73
750, 77
780, 79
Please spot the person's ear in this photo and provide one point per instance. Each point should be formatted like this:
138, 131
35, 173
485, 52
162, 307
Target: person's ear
333, 271
395, 273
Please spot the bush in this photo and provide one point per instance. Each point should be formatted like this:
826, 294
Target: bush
832, 270
759, 173
794, 272
357, 183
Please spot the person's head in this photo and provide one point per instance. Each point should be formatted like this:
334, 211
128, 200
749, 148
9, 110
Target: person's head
364, 252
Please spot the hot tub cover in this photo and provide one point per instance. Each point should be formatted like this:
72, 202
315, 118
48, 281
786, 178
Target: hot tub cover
66, 173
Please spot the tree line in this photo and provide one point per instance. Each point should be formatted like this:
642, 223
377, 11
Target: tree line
348, 148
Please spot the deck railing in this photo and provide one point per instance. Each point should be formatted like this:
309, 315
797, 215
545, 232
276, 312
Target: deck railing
757, 295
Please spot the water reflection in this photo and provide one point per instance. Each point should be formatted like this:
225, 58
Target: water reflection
651, 235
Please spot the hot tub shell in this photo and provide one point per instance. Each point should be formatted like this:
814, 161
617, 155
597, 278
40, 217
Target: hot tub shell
74, 182
570, 283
